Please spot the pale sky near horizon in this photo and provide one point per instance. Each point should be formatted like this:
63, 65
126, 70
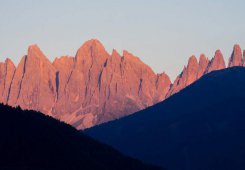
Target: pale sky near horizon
162, 33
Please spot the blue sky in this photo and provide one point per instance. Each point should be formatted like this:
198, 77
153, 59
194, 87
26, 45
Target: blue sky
163, 33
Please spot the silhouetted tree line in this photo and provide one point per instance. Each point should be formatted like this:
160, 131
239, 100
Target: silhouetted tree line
31, 140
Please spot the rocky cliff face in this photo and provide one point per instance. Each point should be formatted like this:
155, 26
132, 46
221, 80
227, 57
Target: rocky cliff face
33, 85
94, 86
217, 62
195, 70
91, 88
7, 70
236, 57
203, 64
187, 76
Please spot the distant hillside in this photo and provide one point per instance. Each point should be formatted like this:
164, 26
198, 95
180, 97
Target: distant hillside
30, 140
200, 128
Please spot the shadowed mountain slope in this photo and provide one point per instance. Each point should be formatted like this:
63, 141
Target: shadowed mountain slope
30, 140
201, 127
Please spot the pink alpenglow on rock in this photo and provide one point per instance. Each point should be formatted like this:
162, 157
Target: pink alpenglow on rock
7, 70
33, 85
91, 88
94, 86
203, 64
236, 57
196, 70
217, 63
189, 74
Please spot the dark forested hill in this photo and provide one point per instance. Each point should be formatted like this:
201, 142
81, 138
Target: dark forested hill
30, 140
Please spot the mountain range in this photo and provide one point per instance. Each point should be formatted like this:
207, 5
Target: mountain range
200, 128
94, 86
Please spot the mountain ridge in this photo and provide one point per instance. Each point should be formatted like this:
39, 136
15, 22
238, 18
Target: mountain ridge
94, 86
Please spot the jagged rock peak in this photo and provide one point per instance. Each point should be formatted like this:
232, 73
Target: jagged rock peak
115, 53
202, 59
7, 70
192, 61
190, 74
33, 47
217, 63
236, 57
35, 51
91, 45
163, 84
218, 53
164, 74
90, 52
165, 77
8, 61
203, 64
130, 56
63, 59
219, 58
237, 48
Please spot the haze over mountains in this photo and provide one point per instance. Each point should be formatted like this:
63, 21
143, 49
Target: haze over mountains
200, 128
94, 86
